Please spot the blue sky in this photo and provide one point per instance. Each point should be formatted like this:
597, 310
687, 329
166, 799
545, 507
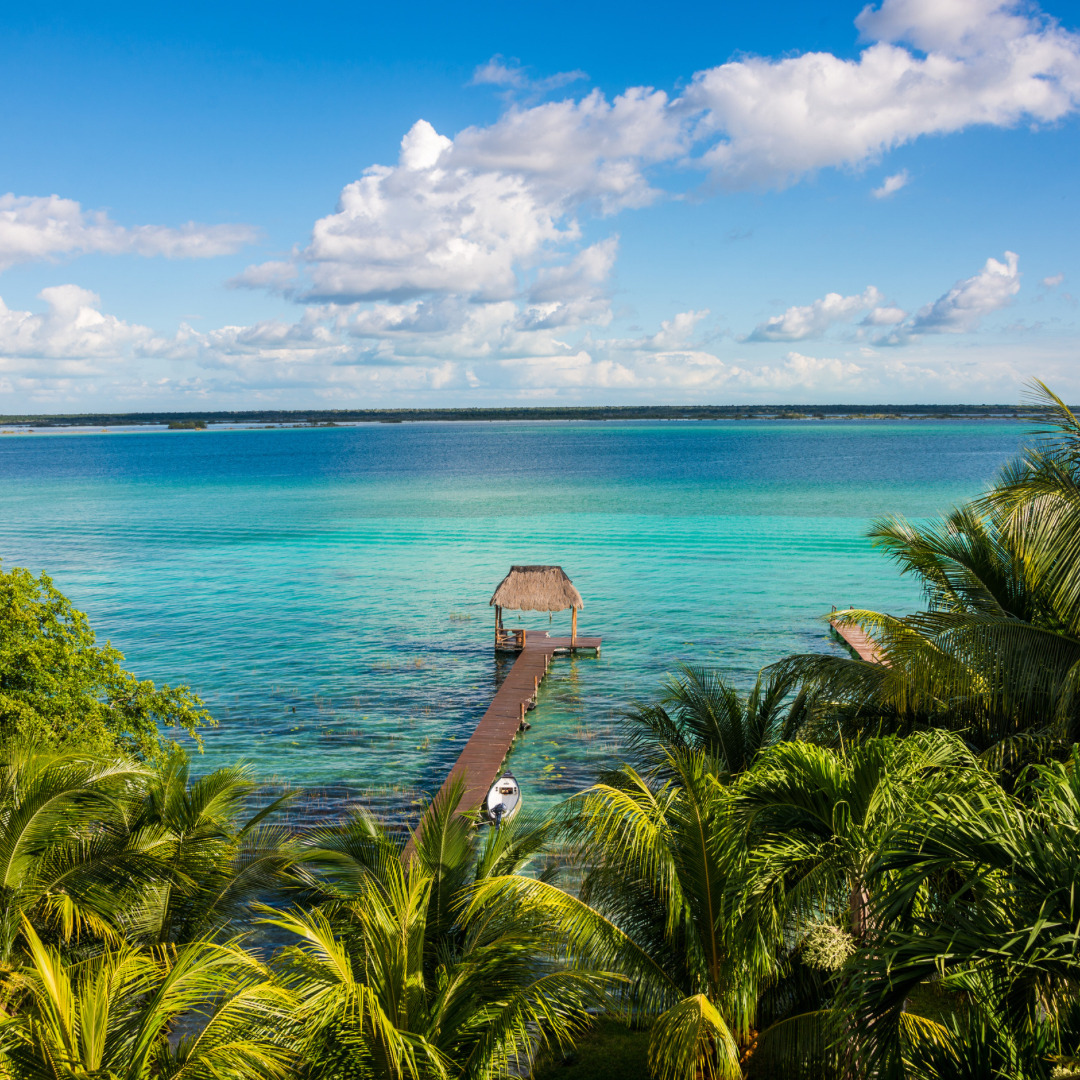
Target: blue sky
240, 206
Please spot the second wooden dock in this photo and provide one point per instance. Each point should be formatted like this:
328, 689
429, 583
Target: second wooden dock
859, 642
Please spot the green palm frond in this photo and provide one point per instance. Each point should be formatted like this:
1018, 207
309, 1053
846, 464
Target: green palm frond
700, 712
574, 929
112, 1014
336, 1001
65, 857
339, 860
550, 1012
798, 1047
691, 1041
965, 562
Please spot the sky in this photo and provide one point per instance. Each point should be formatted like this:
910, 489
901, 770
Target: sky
240, 206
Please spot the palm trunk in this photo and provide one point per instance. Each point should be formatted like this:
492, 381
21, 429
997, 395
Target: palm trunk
861, 924
859, 905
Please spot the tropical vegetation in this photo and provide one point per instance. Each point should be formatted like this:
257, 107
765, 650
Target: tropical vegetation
59, 686
854, 869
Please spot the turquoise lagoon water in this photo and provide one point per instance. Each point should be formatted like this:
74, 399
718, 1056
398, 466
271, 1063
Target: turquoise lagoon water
326, 590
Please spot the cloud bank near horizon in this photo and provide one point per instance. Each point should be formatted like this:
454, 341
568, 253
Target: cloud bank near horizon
472, 264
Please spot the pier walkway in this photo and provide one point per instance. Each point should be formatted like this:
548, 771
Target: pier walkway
481, 759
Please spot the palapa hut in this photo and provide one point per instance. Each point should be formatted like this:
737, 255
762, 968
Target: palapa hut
534, 588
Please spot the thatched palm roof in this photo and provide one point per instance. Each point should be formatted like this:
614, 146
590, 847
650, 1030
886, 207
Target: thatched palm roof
537, 588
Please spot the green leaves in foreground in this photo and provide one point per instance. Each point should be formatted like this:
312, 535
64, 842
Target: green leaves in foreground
98, 849
423, 965
112, 1016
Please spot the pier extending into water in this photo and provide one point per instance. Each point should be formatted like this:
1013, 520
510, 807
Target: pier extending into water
856, 639
481, 760
483, 755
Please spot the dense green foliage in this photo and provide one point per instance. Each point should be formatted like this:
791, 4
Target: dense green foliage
58, 686
856, 870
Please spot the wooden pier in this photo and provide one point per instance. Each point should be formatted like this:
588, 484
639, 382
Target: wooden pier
527, 587
481, 759
856, 639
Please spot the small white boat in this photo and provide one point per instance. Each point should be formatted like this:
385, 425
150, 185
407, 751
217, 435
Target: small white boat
503, 800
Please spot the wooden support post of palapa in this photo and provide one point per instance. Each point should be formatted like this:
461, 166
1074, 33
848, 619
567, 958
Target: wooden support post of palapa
573, 626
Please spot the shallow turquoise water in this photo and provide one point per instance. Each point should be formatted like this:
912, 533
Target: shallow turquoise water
326, 590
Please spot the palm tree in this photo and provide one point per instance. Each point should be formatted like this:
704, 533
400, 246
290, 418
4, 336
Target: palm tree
656, 909
99, 848
812, 822
700, 711
815, 820
981, 895
214, 856
64, 846
112, 1015
1038, 498
996, 654
398, 975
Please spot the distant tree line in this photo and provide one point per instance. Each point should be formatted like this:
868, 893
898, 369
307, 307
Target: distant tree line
583, 412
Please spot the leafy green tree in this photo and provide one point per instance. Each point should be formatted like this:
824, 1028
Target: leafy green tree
59, 687
1038, 498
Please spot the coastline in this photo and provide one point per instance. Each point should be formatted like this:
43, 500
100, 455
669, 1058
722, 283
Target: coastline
27, 423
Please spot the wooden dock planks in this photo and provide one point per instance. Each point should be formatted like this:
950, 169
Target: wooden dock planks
481, 759
856, 639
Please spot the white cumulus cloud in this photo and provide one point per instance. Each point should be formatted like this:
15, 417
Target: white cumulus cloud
892, 184
44, 227
960, 310
813, 320
965, 305
985, 62
496, 211
72, 337
479, 258
470, 216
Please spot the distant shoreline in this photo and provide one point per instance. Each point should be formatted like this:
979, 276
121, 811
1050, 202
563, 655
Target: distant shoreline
327, 417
